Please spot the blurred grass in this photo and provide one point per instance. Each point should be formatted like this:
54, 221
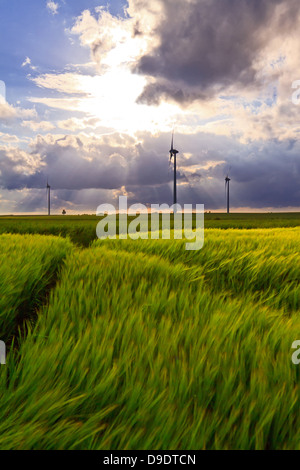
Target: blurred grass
28, 267
263, 263
144, 345
82, 229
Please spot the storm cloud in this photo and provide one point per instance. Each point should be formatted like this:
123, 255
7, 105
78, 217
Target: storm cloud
86, 173
206, 46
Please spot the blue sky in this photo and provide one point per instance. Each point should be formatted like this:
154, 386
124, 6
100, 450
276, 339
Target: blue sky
29, 29
94, 89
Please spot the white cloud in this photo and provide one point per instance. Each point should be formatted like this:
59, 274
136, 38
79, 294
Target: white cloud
38, 126
52, 7
9, 138
65, 104
9, 112
110, 98
114, 40
26, 62
63, 82
74, 124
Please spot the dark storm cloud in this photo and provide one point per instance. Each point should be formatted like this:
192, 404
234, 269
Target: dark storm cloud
262, 174
71, 163
17, 167
267, 177
208, 45
86, 174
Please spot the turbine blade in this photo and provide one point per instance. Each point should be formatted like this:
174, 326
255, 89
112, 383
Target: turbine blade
172, 148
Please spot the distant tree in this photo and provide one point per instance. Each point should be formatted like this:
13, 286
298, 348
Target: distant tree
64, 212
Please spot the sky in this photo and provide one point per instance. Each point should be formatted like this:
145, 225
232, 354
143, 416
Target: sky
90, 93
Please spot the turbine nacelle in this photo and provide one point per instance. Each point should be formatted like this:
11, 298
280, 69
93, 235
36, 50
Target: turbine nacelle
227, 179
173, 152
48, 191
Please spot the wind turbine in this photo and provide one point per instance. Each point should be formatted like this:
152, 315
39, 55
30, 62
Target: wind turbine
227, 179
48, 196
173, 153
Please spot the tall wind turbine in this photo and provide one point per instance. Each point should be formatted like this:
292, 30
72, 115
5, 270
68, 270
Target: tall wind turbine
173, 153
227, 179
48, 196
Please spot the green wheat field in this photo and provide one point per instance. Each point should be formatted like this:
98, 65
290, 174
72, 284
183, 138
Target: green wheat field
123, 344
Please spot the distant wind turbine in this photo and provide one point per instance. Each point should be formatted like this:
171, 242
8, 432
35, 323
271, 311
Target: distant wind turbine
173, 153
227, 179
48, 196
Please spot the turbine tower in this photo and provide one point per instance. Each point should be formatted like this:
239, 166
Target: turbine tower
173, 153
48, 196
227, 179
